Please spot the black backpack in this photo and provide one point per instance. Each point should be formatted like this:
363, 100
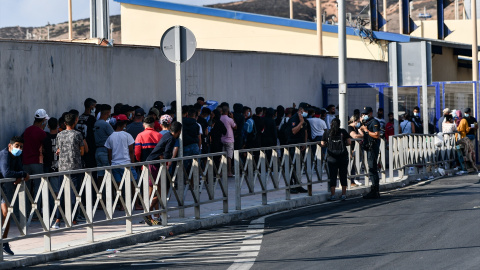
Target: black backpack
336, 145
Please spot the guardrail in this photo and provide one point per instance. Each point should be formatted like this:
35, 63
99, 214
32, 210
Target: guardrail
257, 171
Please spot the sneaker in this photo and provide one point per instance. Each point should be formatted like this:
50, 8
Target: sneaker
353, 184
155, 222
56, 225
148, 221
294, 191
358, 183
332, 198
6, 249
343, 198
302, 190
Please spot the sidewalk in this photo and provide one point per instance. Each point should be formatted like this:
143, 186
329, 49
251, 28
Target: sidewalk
72, 243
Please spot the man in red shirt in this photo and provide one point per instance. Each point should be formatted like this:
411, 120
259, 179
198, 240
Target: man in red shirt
32, 148
389, 128
146, 140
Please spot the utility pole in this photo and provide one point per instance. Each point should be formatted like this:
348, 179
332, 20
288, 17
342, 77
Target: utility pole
474, 54
319, 27
342, 59
400, 17
70, 27
385, 14
291, 9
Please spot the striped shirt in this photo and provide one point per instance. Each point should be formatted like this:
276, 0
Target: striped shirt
145, 143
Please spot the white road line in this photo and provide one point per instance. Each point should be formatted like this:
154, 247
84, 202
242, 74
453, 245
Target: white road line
240, 263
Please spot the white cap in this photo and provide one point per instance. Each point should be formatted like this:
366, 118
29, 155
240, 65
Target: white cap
41, 114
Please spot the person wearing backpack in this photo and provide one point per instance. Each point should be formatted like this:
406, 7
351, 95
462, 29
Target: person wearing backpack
336, 140
371, 144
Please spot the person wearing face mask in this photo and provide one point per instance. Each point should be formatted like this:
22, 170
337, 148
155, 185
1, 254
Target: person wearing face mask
330, 114
11, 167
317, 126
33, 149
355, 132
297, 133
371, 131
417, 120
472, 122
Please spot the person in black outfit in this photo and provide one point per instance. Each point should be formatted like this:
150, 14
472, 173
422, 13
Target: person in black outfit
297, 133
371, 130
471, 121
216, 133
240, 122
11, 166
337, 161
269, 137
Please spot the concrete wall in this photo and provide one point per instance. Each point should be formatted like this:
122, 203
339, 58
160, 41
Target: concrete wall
59, 76
145, 25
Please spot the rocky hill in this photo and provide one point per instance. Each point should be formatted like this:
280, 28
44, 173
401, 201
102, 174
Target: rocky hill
81, 30
306, 9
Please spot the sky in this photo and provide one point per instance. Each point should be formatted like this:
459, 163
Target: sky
32, 13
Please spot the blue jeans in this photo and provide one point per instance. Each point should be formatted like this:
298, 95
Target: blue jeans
190, 150
118, 174
101, 157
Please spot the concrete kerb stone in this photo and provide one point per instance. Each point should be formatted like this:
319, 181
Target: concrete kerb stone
189, 226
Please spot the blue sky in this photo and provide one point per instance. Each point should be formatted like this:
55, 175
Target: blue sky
41, 12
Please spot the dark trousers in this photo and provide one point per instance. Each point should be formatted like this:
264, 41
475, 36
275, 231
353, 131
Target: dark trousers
372, 159
337, 167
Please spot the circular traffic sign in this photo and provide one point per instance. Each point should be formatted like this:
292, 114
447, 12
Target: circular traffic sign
178, 38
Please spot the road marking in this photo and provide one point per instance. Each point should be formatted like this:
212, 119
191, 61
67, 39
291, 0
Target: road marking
245, 264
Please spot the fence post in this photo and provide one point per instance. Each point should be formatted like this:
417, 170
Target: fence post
382, 156
89, 205
22, 207
68, 200
309, 173
145, 185
47, 239
196, 186
225, 184
128, 200
181, 187
286, 168
298, 165
108, 192
238, 184
391, 145
263, 177
164, 192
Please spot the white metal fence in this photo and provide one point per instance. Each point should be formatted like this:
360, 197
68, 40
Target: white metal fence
257, 171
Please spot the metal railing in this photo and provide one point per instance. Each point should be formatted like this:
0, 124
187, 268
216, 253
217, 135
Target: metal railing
180, 183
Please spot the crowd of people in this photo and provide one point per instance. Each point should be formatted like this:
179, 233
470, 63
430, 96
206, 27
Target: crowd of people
103, 136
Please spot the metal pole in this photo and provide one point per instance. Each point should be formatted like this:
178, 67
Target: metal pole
291, 9
385, 14
319, 28
394, 75
474, 50
456, 9
70, 27
424, 87
342, 59
178, 83
400, 17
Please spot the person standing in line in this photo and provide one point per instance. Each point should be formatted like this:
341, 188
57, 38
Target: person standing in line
32, 150
336, 140
371, 131
70, 149
11, 167
297, 133
120, 149
86, 124
463, 128
228, 139
407, 126
446, 112
102, 130
417, 120
163, 150
137, 126
146, 140
472, 123
389, 127
239, 122
317, 126
356, 133
330, 115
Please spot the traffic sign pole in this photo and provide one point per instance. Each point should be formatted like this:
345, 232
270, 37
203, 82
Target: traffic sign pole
178, 83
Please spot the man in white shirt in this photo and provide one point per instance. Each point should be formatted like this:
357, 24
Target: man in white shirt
317, 126
120, 148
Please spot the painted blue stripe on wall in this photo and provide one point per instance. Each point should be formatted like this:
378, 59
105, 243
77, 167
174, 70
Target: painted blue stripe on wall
243, 16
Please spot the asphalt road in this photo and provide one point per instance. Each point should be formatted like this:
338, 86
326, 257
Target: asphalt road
433, 225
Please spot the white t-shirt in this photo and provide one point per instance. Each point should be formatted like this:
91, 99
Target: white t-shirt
118, 142
317, 126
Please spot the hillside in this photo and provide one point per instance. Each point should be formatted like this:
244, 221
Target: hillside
306, 9
81, 30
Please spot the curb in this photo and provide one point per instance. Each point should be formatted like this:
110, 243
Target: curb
193, 225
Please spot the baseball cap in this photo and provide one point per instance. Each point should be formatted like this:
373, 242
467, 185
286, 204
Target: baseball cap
41, 114
166, 119
468, 110
139, 112
159, 105
367, 110
154, 111
121, 117
304, 105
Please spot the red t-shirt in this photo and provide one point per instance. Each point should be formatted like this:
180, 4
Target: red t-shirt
33, 137
389, 130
